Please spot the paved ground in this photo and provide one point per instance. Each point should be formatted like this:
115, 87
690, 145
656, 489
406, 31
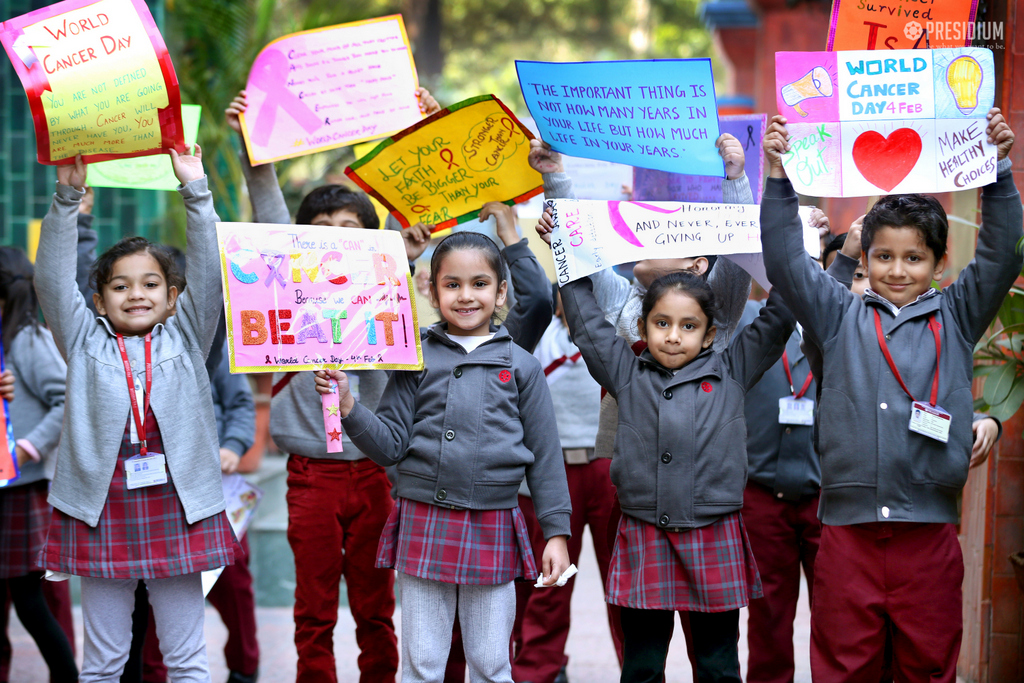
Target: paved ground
592, 659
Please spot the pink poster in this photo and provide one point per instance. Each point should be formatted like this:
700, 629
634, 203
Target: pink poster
301, 297
330, 87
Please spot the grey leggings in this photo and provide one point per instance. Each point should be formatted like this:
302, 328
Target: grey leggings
179, 609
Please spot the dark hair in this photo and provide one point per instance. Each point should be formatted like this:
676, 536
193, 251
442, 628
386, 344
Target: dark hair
103, 268
329, 199
921, 212
177, 278
21, 307
461, 241
837, 243
690, 284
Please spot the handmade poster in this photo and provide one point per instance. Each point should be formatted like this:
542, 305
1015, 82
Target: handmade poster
330, 87
442, 170
240, 499
301, 297
874, 122
658, 114
650, 185
8, 460
98, 79
360, 151
592, 235
146, 173
859, 25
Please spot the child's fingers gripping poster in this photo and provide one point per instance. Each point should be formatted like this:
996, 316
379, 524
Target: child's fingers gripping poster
308, 297
874, 122
443, 170
98, 78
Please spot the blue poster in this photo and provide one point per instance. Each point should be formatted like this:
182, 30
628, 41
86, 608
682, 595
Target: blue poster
659, 114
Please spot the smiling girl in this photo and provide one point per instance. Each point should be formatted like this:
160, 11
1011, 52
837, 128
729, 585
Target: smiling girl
137, 491
464, 431
680, 467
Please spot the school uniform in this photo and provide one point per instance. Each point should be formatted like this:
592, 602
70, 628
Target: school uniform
680, 468
102, 531
780, 507
577, 402
463, 433
889, 495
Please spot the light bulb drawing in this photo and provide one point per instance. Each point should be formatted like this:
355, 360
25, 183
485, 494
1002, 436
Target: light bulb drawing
964, 76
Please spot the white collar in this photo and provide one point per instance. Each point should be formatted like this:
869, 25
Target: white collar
893, 308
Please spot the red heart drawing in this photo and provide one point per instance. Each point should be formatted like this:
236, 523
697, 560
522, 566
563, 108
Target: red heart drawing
885, 162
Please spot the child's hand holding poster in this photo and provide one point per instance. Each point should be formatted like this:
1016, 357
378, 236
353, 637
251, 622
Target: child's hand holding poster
98, 79
593, 235
330, 87
875, 122
658, 114
442, 170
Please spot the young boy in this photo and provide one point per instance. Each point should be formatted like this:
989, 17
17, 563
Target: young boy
889, 553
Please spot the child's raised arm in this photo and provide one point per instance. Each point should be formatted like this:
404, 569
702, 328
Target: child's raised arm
57, 258
814, 297
981, 287
199, 306
609, 357
761, 343
265, 196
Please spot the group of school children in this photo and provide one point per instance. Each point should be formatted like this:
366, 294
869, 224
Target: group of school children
715, 446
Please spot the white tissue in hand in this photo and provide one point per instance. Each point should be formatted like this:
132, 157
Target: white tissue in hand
566, 575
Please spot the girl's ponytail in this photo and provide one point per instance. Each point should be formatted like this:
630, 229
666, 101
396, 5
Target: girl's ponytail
18, 293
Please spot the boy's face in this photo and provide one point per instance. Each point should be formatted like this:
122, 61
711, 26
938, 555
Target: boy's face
649, 270
676, 330
900, 266
342, 218
137, 296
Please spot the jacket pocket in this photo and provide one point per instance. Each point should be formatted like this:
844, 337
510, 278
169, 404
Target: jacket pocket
720, 470
947, 464
848, 442
633, 469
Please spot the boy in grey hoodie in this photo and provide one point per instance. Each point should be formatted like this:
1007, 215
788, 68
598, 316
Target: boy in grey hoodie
889, 552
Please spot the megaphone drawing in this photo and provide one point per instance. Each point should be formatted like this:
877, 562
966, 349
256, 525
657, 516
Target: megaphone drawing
816, 83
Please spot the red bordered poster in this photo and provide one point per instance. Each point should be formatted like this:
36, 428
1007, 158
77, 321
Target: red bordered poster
98, 79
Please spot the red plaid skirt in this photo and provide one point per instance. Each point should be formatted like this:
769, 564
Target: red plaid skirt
24, 518
468, 547
710, 569
142, 533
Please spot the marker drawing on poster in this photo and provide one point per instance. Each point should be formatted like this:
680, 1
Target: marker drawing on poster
860, 25
98, 79
870, 122
330, 87
658, 114
442, 170
593, 235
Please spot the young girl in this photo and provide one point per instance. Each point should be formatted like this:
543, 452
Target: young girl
36, 418
137, 489
680, 467
463, 432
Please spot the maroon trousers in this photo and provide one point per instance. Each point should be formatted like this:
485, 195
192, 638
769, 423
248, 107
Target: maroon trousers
901, 578
545, 622
58, 599
336, 512
784, 536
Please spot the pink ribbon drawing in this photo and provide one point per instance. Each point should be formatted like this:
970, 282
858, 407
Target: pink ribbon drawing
620, 225
272, 78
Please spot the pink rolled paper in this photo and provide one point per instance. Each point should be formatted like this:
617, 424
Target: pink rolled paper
332, 419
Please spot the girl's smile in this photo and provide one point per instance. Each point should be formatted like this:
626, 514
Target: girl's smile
137, 296
467, 292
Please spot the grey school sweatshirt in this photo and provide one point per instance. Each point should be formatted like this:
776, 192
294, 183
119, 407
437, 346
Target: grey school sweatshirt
873, 468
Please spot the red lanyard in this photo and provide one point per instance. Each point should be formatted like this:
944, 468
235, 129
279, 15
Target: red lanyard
789, 376
140, 426
934, 327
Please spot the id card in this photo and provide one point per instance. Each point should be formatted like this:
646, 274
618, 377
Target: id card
142, 471
932, 421
796, 411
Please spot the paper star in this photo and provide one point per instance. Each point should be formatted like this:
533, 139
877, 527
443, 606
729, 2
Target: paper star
332, 410
334, 434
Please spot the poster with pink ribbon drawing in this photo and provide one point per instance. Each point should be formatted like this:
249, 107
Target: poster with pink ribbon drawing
330, 87
300, 297
869, 122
